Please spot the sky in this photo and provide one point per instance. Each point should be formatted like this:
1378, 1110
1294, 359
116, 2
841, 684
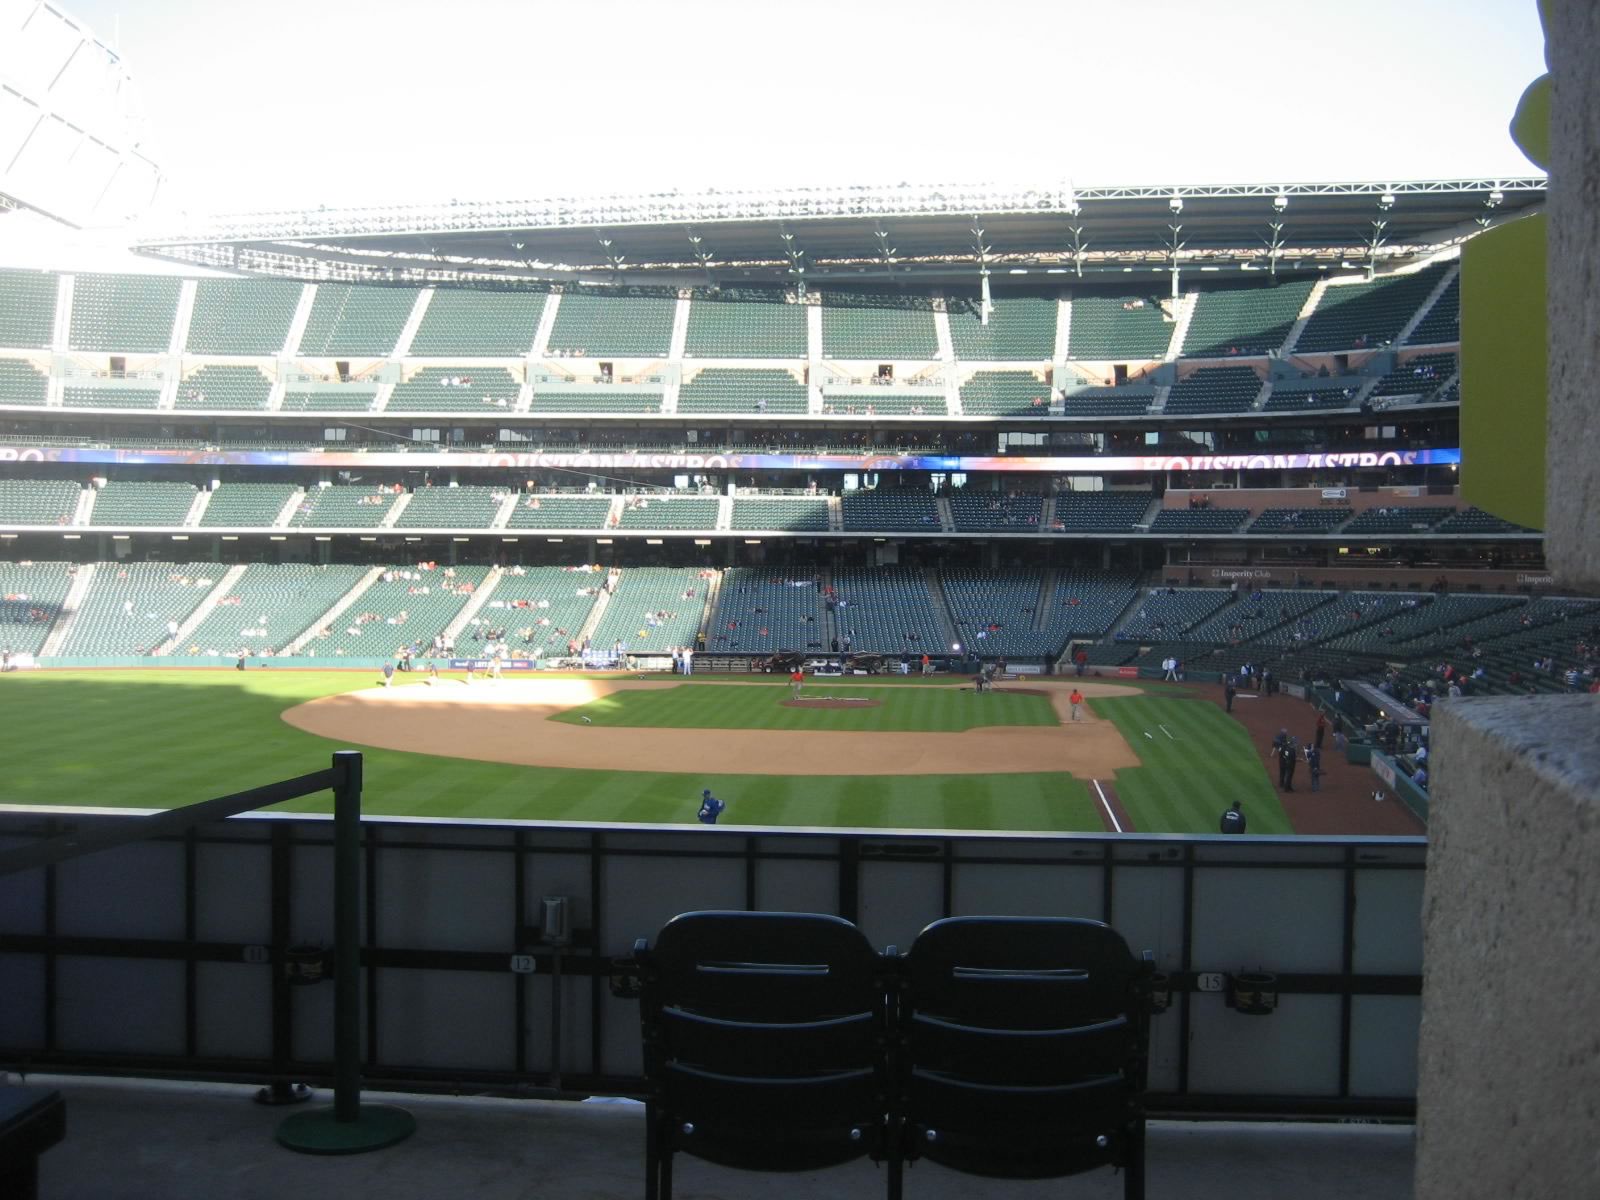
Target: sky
299, 103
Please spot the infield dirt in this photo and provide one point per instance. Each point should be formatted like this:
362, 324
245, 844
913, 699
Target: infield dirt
508, 721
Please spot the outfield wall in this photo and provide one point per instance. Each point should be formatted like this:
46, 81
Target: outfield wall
192, 979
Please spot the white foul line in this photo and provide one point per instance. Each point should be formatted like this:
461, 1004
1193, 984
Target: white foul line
1166, 731
1106, 804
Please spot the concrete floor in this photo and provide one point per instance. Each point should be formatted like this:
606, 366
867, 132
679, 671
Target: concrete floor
128, 1140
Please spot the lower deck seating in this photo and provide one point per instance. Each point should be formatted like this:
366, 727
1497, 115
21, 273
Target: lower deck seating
267, 608
995, 613
30, 601
1165, 613
540, 611
763, 610
653, 610
133, 608
887, 610
406, 607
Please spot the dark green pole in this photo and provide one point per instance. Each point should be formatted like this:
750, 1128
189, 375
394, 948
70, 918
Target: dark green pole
349, 1127
347, 935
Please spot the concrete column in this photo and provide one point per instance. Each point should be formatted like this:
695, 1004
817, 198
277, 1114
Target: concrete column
1509, 1058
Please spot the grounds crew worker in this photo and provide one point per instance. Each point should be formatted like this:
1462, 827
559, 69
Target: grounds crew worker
1233, 820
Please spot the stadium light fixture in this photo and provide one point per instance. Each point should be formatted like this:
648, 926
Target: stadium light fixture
1280, 202
752, 541
460, 539
230, 537
652, 541
10, 537
276, 537
510, 539
1175, 204
72, 537
603, 541
321, 538
1386, 201
119, 537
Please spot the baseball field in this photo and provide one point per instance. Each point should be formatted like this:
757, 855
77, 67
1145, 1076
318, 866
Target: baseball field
900, 753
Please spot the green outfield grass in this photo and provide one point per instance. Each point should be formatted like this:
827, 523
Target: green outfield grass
161, 738
898, 709
1197, 762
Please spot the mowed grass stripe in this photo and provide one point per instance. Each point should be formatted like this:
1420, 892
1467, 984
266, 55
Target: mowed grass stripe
1189, 778
164, 738
897, 710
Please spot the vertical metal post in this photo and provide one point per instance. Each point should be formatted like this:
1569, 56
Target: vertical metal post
347, 935
349, 1127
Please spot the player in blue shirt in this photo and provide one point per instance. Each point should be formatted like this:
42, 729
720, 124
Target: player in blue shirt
710, 808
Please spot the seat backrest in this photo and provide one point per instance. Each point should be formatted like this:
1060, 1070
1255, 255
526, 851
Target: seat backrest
765, 1032
1022, 1044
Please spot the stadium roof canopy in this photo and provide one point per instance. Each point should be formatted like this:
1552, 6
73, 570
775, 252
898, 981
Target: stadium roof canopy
904, 233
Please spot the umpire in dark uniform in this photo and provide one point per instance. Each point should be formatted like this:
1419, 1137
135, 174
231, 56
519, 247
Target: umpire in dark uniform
1233, 820
1287, 759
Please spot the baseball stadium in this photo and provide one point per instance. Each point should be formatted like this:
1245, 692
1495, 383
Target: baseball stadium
979, 548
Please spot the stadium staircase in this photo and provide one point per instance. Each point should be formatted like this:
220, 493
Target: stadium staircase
1159, 402
1426, 306
814, 347
835, 515
1063, 336
1047, 593
947, 520
280, 388
1047, 513
395, 509
1129, 614
202, 501
680, 331
408, 331
333, 614
68, 613
225, 585
287, 512
381, 400
182, 320
724, 513
1180, 327
713, 594
547, 323
507, 507
941, 607
1262, 396
941, 333
297, 323
592, 621
1306, 309
473, 606
61, 332
84, 514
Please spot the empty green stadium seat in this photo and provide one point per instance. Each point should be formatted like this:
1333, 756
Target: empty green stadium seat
356, 320
908, 510
1099, 512
1214, 390
89, 396
1443, 321
1313, 394
38, 501
460, 323
30, 601
343, 507
541, 609
792, 514
129, 607
246, 504
483, 390
996, 512
761, 610
347, 398
131, 313
467, 507
634, 618
406, 606
654, 512
23, 383
1005, 394
242, 316
1199, 520
1366, 315
1300, 520
124, 502
621, 323
1251, 320
27, 309
877, 327
1020, 328
1397, 519
290, 596
230, 388
560, 512
738, 390
1107, 328
888, 610
746, 324
1418, 375
598, 398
